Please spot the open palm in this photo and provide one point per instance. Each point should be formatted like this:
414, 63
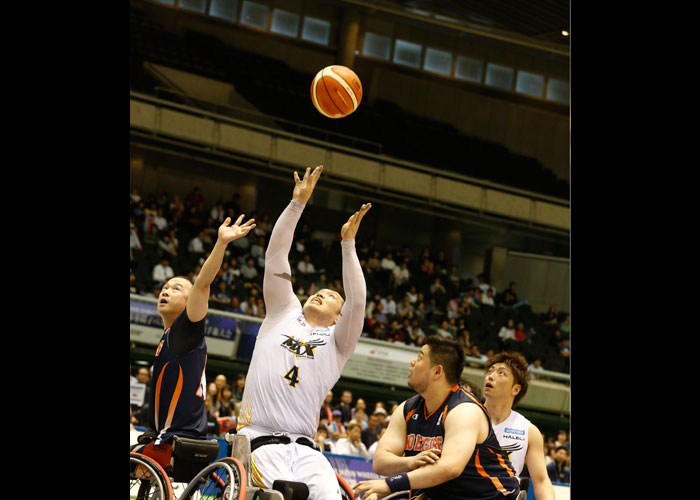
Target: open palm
229, 233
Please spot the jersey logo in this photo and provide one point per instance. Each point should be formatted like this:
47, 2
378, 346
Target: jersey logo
301, 348
418, 442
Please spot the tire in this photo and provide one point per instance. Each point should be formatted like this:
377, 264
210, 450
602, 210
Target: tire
399, 495
346, 492
224, 479
147, 479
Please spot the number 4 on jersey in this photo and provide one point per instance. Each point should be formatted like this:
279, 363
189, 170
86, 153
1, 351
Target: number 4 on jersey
293, 376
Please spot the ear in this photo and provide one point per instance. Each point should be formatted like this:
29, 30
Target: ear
516, 389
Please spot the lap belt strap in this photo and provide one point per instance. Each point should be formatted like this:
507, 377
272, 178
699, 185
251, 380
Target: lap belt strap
280, 438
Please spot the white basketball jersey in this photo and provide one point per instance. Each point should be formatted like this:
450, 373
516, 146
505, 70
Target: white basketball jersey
293, 367
512, 435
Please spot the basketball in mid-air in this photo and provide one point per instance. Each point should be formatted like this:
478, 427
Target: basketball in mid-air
336, 91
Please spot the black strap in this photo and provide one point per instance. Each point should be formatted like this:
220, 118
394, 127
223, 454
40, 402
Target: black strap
280, 439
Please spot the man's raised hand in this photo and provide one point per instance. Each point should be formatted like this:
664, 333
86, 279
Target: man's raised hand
304, 187
229, 233
349, 229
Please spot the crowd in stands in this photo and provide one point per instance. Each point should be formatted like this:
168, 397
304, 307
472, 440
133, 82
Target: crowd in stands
347, 426
409, 296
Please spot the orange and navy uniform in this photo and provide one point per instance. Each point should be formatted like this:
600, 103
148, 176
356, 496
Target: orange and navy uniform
488, 475
179, 385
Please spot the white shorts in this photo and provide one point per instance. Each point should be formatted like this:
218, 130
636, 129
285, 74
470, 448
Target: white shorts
295, 462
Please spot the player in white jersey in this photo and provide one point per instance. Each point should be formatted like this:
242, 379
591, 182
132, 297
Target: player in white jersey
505, 384
299, 355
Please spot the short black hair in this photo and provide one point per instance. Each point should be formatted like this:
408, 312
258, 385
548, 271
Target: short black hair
448, 353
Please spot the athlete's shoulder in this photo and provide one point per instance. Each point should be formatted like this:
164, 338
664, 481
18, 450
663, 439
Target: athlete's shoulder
411, 404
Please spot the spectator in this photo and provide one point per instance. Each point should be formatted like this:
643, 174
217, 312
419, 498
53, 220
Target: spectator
326, 409
371, 305
388, 264
412, 295
361, 418
561, 439
404, 310
166, 246
336, 427
535, 370
565, 327
162, 272
305, 266
559, 470
218, 385
389, 305
374, 263
401, 275
159, 220
345, 406
369, 435
248, 271
212, 423
224, 407
519, 334
140, 412
220, 298
196, 245
360, 405
380, 433
322, 438
257, 252
352, 444
218, 214
488, 298
550, 317
150, 240
453, 281
235, 306
507, 331
238, 387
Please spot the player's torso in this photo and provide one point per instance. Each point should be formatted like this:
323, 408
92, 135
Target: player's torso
293, 367
488, 471
178, 391
512, 435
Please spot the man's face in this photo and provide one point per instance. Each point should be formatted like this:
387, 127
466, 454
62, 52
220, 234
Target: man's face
143, 375
560, 455
325, 304
173, 296
355, 433
420, 370
346, 398
329, 398
499, 382
373, 421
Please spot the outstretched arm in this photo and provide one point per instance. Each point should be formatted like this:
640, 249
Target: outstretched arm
277, 281
198, 300
349, 326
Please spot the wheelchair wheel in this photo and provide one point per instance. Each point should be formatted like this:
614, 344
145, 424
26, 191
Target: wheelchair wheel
224, 479
148, 480
346, 492
399, 495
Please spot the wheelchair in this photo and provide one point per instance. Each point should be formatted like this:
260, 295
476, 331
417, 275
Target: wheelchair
193, 474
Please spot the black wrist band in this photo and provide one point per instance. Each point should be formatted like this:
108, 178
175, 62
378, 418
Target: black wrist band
398, 482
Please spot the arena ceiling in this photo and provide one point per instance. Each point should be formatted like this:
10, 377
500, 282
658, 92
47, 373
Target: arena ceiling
538, 20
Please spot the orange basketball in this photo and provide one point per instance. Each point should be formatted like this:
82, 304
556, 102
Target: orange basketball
336, 91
